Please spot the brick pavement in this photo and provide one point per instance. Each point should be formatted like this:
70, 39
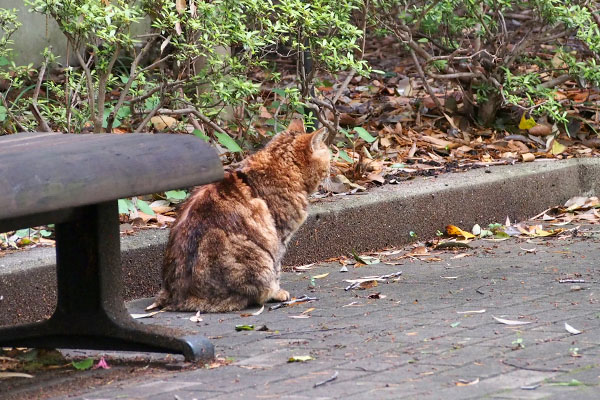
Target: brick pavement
412, 343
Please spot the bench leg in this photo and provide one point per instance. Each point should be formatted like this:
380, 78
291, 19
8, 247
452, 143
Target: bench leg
90, 311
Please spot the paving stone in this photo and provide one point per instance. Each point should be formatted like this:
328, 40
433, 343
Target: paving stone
408, 344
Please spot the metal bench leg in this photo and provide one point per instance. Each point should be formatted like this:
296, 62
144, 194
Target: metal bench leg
90, 312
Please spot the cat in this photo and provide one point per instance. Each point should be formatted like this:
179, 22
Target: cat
225, 247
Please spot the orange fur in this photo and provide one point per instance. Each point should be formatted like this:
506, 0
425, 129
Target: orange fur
225, 248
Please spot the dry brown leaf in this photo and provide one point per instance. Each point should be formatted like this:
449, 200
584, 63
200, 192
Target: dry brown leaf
540, 130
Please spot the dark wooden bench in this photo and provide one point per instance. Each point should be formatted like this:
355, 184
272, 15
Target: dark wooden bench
74, 181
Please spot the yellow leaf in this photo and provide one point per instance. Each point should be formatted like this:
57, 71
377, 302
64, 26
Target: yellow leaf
321, 276
526, 123
557, 147
452, 230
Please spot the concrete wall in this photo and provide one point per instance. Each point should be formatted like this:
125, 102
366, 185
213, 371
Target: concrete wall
36, 33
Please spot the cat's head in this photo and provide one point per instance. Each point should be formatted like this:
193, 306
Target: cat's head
302, 157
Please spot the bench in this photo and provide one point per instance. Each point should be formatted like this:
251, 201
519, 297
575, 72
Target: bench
74, 181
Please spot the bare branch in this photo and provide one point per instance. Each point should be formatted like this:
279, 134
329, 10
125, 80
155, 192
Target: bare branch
196, 113
43, 125
132, 77
424, 78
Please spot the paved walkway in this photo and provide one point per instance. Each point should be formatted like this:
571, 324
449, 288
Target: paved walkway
417, 339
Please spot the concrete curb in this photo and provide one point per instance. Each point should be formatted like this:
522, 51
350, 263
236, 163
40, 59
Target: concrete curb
381, 218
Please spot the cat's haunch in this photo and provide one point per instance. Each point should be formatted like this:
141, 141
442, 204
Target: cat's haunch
225, 247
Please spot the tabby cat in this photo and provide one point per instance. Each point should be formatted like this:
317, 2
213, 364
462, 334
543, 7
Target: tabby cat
225, 247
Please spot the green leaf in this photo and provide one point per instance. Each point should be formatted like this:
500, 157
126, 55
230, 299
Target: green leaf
45, 233
455, 324
84, 364
244, 328
144, 207
300, 359
226, 141
22, 232
176, 194
366, 136
198, 132
4, 61
368, 260
344, 156
124, 206
3, 113
280, 92
124, 112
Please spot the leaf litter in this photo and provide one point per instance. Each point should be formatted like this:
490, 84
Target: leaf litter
370, 281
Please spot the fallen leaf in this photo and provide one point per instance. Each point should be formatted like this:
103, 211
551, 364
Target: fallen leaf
572, 382
557, 147
526, 122
302, 268
471, 312
83, 365
540, 130
367, 284
368, 260
572, 330
244, 328
6, 375
452, 230
146, 315
511, 322
332, 378
196, 318
320, 276
300, 359
299, 316
463, 382
162, 122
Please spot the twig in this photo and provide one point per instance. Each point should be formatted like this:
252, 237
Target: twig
11, 115
331, 379
196, 113
43, 125
331, 127
88, 75
302, 299
344, 86
559, 80
424, 78
149, 116
132, 76
532, 368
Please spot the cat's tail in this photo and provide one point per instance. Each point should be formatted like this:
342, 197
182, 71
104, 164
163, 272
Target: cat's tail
193, 303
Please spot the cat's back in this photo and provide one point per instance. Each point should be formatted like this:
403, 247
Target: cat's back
230, 205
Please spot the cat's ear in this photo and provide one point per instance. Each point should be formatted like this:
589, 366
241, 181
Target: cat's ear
318, 138
297, 125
